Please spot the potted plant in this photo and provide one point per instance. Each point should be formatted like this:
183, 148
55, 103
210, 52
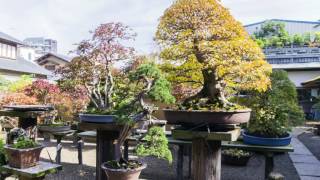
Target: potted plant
24, 153
205, 48
93, 69
275, 111
237, 157
144, 82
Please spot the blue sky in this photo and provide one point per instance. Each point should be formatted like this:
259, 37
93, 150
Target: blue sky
69, 21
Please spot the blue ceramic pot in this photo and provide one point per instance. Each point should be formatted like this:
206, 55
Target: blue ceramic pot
263, 141
95, 118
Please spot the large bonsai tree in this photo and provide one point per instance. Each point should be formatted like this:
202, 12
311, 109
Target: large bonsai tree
203, 34
93, 67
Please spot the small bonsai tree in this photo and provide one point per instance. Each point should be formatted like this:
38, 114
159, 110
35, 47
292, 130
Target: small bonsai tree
203, 34
145, 82
93, 67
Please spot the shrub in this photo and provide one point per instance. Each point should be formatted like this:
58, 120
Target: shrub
17, 98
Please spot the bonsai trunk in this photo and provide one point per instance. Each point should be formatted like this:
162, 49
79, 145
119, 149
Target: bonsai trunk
213, 89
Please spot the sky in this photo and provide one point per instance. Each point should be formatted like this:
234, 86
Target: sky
69, 21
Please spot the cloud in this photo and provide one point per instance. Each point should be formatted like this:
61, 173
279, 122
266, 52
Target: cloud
68, 21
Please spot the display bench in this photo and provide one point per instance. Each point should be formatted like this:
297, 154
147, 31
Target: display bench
33, 173
206, 149
107, 149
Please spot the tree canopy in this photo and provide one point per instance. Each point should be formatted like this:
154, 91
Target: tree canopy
200, 38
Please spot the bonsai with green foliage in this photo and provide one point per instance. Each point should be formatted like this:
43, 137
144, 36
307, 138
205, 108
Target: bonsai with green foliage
145, 81
25, 143
276, 110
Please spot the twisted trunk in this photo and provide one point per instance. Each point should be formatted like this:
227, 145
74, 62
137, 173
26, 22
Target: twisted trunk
213, 87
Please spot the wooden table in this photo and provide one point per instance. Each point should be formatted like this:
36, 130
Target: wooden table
33, 173
107, 149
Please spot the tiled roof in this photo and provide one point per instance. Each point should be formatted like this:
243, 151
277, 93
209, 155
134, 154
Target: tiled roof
22, 65
60, 56
9, 38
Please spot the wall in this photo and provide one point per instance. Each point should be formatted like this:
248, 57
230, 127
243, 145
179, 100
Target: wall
297, 77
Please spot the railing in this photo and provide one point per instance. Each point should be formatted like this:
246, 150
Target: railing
288, 55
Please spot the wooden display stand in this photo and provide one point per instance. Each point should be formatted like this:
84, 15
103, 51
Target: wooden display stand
107, 149
206, 150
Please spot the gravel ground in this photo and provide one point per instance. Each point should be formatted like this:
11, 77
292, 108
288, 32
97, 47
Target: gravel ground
159, 169
312, 142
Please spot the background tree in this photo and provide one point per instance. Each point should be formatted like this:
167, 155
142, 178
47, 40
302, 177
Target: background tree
96, 57
203, 33
272, 34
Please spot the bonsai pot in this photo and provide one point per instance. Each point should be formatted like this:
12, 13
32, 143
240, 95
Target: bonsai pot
96, 118
235, 160
123, 174
266, 141
198, 117
53, 128
23, 158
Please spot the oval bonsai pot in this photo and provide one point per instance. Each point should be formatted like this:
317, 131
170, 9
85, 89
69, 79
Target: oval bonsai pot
51, 128
197, 117
123, 174
96, 118
265, 141
23, 158
236, 161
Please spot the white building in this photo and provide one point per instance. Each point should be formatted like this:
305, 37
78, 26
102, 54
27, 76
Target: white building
12, 65
41, 45
293, 27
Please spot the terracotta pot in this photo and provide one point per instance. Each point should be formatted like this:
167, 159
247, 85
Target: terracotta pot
48, 128
197, 117
123, 174
23, 158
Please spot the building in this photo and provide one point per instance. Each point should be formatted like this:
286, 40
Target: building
292, 26
12, 65
42, 45
52, 61
302, 63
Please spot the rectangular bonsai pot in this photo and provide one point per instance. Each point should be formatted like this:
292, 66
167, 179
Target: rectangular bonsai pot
23, 158
97, 118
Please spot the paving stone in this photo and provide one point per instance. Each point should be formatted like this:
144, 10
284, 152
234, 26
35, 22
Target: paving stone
301, 158
306, 169
309, 178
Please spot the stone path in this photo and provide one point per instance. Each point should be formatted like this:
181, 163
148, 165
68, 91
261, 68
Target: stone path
306, 164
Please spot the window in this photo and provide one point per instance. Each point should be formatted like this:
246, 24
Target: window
8, 51
50, 67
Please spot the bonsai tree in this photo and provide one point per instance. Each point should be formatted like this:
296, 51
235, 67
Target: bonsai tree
203, 34
145, 82
93, 67
277, 109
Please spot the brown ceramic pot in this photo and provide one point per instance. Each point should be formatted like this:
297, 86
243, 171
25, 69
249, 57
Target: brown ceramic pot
123, 174
197, 117
52, 129
23, 158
